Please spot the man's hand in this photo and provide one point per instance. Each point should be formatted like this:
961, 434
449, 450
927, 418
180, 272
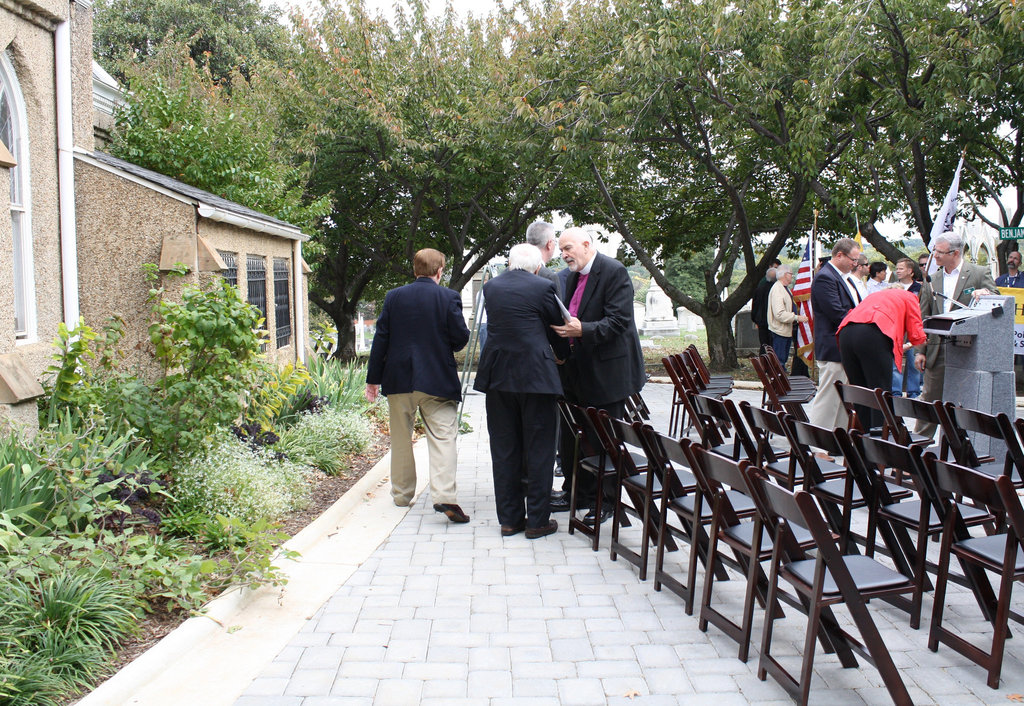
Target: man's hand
573, 329
372, 391
919, 361
979, 293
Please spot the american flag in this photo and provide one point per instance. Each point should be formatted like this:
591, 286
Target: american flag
802, 297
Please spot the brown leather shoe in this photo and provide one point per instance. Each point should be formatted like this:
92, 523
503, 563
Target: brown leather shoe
537, 532
453, 512
510, 530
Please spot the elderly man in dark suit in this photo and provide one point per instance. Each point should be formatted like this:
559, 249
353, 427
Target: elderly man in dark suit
833, 294
518, 372
412, 362
606, 365
954, 281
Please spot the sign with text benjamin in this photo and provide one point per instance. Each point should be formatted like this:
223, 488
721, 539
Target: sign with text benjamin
1011, 233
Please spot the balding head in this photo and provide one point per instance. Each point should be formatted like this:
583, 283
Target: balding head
577, 248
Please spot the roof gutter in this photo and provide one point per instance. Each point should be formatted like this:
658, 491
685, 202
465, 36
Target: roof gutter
235, 219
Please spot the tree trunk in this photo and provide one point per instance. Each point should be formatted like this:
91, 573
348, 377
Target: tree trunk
342, 317
721, 341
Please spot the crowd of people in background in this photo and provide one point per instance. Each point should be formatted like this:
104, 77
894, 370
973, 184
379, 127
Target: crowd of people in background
572, 334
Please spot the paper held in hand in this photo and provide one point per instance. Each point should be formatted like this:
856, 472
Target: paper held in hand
566, 316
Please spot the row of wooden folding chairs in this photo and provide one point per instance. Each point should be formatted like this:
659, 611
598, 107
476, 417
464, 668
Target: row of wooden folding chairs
758, 520
714, 497
689, 373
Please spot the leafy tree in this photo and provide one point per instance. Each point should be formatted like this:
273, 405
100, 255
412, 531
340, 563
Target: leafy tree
182, 123
705, 127
223, 36
418, 143
923, 81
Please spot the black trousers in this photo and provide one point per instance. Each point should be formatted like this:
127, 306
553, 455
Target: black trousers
867, 359
587, 484
522, 429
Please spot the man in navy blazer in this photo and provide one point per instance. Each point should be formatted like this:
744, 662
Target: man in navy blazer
518, 372
833, 293
606, 365
412, 362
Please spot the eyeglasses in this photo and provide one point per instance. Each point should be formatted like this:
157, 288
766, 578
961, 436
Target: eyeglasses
942, 252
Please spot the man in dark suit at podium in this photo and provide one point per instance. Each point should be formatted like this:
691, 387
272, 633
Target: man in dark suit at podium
954, 281
606, 365
518, 372
412, 362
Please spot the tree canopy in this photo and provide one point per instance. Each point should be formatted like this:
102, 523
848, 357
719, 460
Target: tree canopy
703, 131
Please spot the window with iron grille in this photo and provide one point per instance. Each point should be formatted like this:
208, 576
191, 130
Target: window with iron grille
230, 272
282, 303
256, 272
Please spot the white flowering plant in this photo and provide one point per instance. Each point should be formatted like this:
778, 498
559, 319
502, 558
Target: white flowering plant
228, 477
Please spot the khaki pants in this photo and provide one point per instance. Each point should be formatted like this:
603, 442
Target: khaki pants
440, 419
826, 408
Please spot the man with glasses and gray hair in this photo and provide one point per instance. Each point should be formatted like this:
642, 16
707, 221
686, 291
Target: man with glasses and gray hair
541, 234
833, 294
955, 283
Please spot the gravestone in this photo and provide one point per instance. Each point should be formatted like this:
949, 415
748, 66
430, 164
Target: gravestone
659, 319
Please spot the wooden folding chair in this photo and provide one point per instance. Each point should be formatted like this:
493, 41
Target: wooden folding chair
899, 409
778, 398
997, 553
677, 414
922, 514
775, 460
864, 407
716, 425
995, 426
732, 504
641, 485
794, 384
702, 368
828, 578
840, 494
588, 455
680, 498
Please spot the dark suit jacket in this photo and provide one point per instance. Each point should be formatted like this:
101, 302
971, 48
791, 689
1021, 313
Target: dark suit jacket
419, 329
759, 302
552, 276
971, 277
606, 363
518, 357
830, 300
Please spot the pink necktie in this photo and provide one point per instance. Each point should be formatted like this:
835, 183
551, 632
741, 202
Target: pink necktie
574, 302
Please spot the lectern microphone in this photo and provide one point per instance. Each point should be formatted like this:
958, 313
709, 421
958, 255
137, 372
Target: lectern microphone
953, 301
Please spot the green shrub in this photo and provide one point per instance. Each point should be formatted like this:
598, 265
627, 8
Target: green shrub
229, 478
56, 486
325, 439
340, 384
58, 631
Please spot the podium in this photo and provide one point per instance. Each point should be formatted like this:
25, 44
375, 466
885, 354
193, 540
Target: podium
979, 360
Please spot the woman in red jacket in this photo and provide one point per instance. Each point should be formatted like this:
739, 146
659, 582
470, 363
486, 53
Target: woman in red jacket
871, 340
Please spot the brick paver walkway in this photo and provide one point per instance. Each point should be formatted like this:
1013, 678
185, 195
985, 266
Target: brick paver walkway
455, 615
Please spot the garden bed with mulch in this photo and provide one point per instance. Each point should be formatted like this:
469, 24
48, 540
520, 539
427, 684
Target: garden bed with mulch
325, 492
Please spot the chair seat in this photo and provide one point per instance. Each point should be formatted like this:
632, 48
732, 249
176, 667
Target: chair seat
592, 463
639, 482
990, 550
743, 534
868, 575
741, 504
909, 513
834, 490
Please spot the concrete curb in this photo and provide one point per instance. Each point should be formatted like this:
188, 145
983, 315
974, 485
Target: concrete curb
227, 613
